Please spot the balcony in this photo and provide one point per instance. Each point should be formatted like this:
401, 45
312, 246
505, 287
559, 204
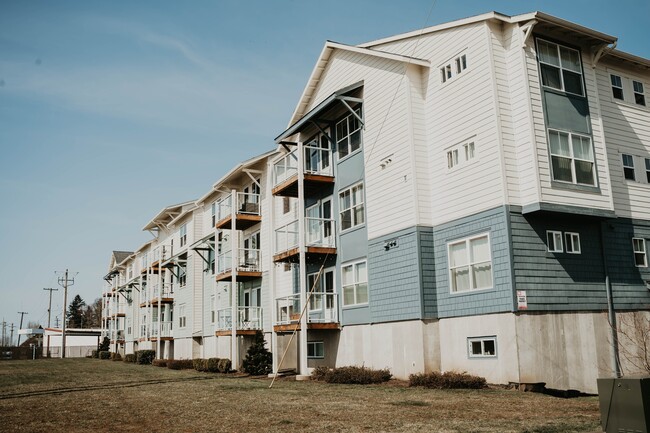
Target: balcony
320, 240
247, 211
165, 296
165, 331
249, 321
144, 332
322, 312
248, 265
317, 171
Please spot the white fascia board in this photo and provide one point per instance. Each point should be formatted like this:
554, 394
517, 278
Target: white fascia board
437, 28
382, 54
235, 170
541, 16
182, 215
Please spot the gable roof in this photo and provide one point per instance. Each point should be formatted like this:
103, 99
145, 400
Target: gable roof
120, 256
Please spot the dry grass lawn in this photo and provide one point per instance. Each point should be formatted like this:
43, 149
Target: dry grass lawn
89, 395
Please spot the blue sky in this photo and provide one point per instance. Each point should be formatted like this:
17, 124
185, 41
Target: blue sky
111, 110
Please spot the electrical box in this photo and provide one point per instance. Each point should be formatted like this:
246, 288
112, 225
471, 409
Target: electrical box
624, 404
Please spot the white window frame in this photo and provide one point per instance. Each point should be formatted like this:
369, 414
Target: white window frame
571, 157
561, 67
182, 235
213, 309
461, 153
556, 235
453, 68
313, 345
354, 223
355, 283
572, 242
640, 93
182, 318
616, 82
213, 212
452, 158
470, 264
628, 166
647, 169
640, 251
482, 341
350, 120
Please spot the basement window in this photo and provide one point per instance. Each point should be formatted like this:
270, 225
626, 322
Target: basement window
482, 347
315, 350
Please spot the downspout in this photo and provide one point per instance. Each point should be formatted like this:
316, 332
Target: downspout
611, 313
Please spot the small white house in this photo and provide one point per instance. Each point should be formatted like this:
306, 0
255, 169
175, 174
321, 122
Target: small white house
79, 343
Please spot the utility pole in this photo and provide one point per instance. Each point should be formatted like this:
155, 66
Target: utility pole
64, 282
22, 314
49, 306
11, 339
4, 333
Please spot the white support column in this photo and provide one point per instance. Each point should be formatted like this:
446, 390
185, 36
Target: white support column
234, 260
302, 338
270, 222
160, 293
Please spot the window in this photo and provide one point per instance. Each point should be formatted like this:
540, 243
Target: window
640, 257
182, 233
617, 86
554, 241
182, 319
460, 154
452, 158
572, 158
639, 96
355, 283
560, 67
351, 207
182, 276
315, 350
348, 134
628, 167
213, 312
213, 211
647, 169
470, 264
572, 242
286, 205
461, 63
482, 347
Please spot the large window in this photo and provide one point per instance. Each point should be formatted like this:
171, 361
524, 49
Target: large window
572, 158
354, 277
470, 264
640, 256
348, 134
560, 66
351, 207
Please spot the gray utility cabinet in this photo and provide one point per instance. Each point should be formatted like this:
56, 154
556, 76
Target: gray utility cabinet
625, 404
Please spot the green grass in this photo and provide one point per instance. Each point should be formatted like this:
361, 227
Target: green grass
88, 395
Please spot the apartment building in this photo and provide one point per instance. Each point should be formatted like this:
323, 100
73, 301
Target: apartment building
472, 196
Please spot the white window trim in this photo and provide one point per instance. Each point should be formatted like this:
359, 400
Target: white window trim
563, 89
613, 86
359, 112
642, 93
449, 70
482, 340
458, 156
355, 284
623, 155
363, 204
627, 83
574, 237
554, 233
572, 157
314, 344
469, 263
643, 251
182, 318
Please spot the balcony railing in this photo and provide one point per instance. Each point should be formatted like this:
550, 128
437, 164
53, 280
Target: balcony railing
323, 308
247, 203
165, 329
248, 261
319, 232
166, 291
285, 168
249, 318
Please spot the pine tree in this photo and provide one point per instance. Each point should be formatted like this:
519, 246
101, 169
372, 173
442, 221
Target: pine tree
258, 358
105, 345
75, 312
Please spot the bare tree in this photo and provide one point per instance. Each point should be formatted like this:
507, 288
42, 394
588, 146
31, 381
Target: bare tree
634, 341
92, 314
